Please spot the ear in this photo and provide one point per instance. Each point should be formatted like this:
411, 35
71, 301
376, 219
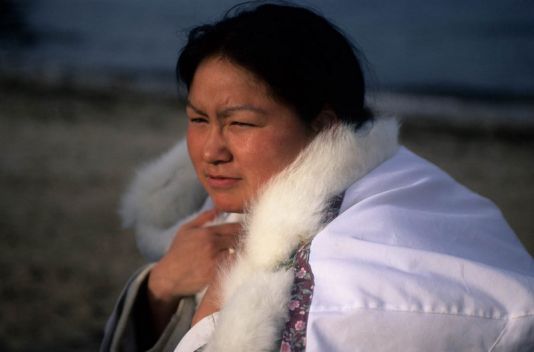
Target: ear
324, 120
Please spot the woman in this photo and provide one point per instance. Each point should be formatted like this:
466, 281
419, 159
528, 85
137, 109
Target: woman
318, 231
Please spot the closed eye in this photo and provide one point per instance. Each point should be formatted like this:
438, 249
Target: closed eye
198, 120
242, 124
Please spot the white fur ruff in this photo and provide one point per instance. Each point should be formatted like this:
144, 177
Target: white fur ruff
162, 192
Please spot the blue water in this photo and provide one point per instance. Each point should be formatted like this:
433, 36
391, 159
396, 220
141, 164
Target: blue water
459, 45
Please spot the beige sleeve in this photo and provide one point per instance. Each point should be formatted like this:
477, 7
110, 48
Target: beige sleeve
124, 331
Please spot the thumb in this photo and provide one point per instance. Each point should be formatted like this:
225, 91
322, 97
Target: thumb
201, 219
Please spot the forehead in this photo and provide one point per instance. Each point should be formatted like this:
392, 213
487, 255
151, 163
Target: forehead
218, 69
218, 79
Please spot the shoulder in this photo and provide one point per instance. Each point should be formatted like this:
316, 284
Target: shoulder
407, 202
414, 255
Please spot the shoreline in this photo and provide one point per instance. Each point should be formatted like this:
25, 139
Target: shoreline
457, 109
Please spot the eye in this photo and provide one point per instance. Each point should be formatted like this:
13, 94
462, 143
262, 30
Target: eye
198, 120
241, 124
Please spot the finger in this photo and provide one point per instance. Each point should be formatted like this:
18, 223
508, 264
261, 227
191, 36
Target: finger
231, 229
201, 219
223, 243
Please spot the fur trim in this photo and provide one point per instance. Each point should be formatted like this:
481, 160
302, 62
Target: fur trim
162, 192
289, 211
251, 319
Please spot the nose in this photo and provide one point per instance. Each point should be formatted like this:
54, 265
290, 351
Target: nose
216, 149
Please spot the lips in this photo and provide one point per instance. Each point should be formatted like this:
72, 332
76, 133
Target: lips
221, 181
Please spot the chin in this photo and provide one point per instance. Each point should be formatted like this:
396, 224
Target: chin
227, 205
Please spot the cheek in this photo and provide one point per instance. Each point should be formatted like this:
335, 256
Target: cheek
194, 147
264, 156
283, 147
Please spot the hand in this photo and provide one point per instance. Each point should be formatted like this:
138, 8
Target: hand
189, 265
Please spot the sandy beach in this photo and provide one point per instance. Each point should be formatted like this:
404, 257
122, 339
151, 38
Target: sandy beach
68, 154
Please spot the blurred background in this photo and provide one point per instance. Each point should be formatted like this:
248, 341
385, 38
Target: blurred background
87, 94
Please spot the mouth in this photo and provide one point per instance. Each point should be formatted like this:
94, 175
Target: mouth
221, 182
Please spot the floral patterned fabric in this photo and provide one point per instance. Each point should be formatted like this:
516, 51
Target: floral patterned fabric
294, 334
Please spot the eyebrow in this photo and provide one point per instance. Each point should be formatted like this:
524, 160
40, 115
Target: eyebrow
226, 112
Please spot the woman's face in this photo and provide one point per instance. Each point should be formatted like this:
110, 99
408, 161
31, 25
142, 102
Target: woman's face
238, 136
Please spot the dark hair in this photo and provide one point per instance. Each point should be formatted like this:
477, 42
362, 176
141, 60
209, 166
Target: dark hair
304, 59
